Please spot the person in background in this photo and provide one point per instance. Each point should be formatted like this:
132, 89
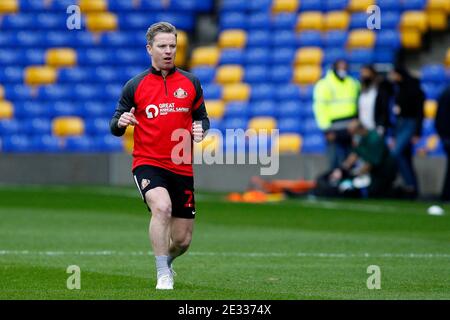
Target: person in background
409, 99
442, 124
335, 104
374, 100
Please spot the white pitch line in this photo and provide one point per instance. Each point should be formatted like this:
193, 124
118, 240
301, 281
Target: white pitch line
232, 254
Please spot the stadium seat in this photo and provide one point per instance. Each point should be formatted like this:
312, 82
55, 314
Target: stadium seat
259, 38
281, 73
388, 39
384, 55
78, 144
258, 21
361, 38
359, 5
432, 90
212, 91
284, 38
309, 55
37, 126
108, 143
97, 126
390, 20
39, 75
288, 91
16, 144
256, 74
101, 22
439, 5
202, 56
313, 143
335, 39
11, 75
63, 57
310, 39
233, 5
283, 56
9, 127
236, 92
6, 110
290, 109
284, 21
236, 109
231, 56
262, 123
257, 56
433, 73
233, 38
215, 108
46, 143
279, 6
437, 20
205, 74
289, 143
9, 6
68, 126
416, 20
358, 20
89, 6
226, 74
262, 108
430, 109
411, 39
334, 5
360, 56
336, 20
262, 91
233, 20
289, 124
389, 5
414, 5
235, 123
311, 20
307, 74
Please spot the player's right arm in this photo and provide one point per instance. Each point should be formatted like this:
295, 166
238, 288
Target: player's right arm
124, 114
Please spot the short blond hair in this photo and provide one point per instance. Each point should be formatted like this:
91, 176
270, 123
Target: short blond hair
159, 27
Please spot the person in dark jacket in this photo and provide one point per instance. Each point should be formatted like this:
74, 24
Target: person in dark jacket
374, 100
409, 99
442, 124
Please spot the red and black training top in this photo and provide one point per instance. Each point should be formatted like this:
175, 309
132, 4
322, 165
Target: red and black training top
162, 105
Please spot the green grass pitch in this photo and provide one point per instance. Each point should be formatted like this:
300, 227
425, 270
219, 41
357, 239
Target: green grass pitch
295, 249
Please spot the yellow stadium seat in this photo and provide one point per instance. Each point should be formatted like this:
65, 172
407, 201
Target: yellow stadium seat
414, 20
180, 58
307, 74
289, 143
39, 75
437, 20
432, 142
336, 20
61, 57
6, 110
182, 40
262, 123
128, 145
439, 5
279, 6
360, 5
447, 58
361, 38
9, 6
215, 108
129, 132
2, 93
236, 92
233, 38
430, 109
100, 22
229, 74
411, 39
208, 56
87, 6
309, 56
310, 20
68, 126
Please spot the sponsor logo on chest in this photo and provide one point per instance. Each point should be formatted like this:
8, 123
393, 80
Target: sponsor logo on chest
163, 109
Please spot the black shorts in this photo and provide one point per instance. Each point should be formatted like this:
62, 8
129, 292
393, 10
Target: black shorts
180, 188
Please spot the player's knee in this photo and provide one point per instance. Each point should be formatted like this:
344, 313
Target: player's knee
183, 242
162, 209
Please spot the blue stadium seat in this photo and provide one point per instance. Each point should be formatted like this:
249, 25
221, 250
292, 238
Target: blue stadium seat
287, 91
358, 21
384, 56
190, 5
18, 92
233, 20
29, 109
333, 54
262, 108
259, 38
256, 74
390, 20
389, 5
9, 57
259, 21
289, 125
36, 126
121, 5
284, 39
257, 56
97, 109
107, 74
34, 57
235, 123
234, 5
32, 6
87, 91
117, 39
236, 109
96, 126
212, 91
306, 92
7, 39
10, 127
388, 39
264, 91
215, 124
83, 39
60, 5
335, 38
284, 21
428, 127
312, 5
19, 21
130, 57
94, 57
313, 143
281, 73
309, 126
283, 56
74, 75
11, 75
108, 143
335, 5
413, 4
310, 39
79, 144
435, 73
57, 92
63, 108
288, 109
204, 74
307, 111
432, 90
152, 5
360, 56
136, 20
45, 143
258, 5
59, 39
30, 39
231, 56
51, 21
181, 20
16, 144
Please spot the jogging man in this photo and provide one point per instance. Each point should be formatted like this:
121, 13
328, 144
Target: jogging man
159, 102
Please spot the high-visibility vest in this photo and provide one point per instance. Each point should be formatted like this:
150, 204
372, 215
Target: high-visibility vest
335, 99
